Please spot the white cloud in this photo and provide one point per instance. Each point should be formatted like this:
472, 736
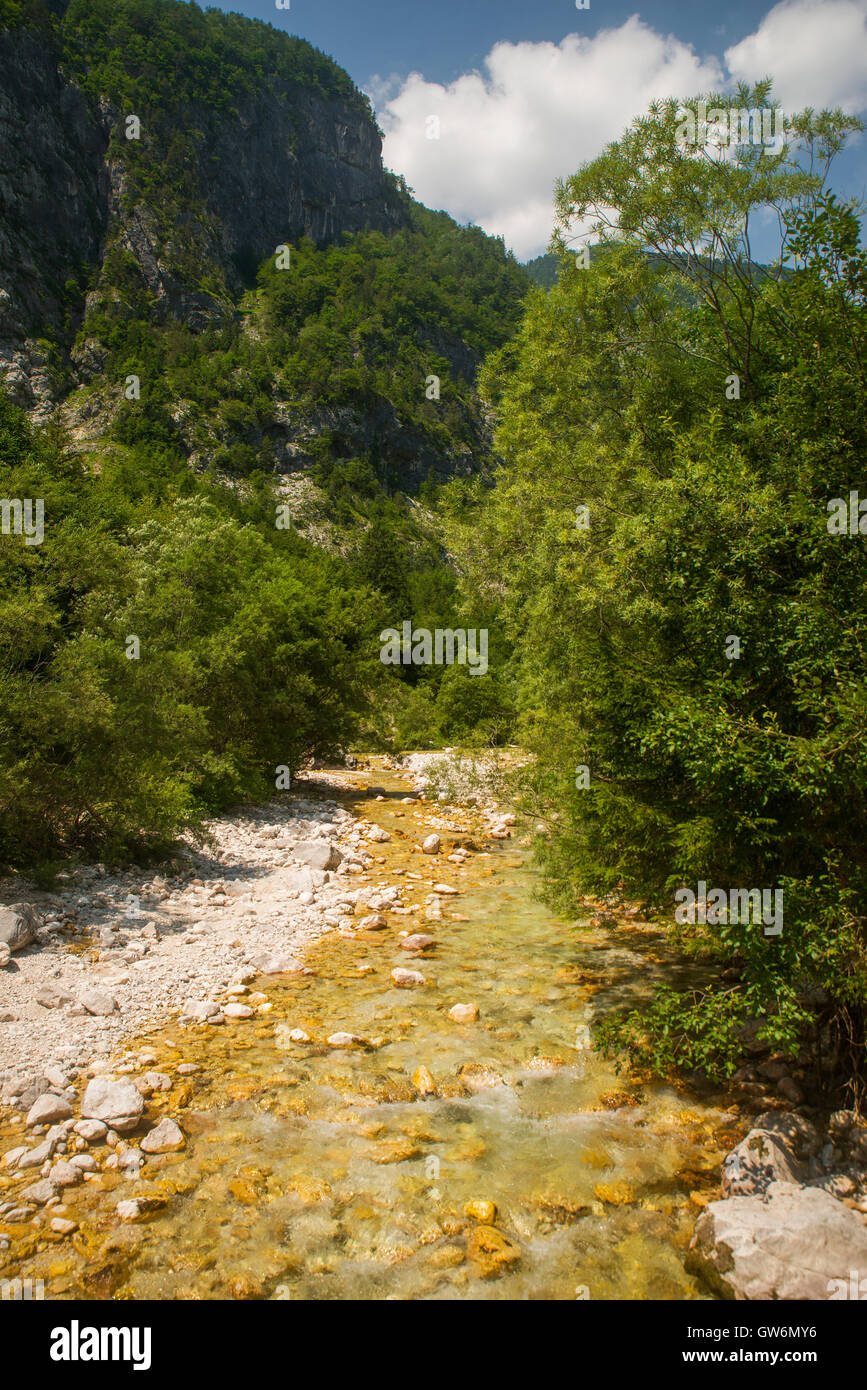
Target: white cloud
539, 110
816, 54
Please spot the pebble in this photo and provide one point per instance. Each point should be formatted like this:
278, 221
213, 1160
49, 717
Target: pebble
417, 942
167, 1137
39, 1192
90, 1130
348, 1040
464, 1013
98, 1002
406, 979
65, 1174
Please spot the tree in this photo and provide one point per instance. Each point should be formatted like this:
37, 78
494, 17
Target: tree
644, 519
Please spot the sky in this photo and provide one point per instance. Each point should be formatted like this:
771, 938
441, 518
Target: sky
525, 91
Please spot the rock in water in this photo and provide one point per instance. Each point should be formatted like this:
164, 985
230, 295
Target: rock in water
431, 845
375, 922
348, 1040
464, 1013
491, 1251
416, 943
65, 1174
166, 1138
424, 1082
406, 979
18, 926
279, 964
118, 1103
793, 1243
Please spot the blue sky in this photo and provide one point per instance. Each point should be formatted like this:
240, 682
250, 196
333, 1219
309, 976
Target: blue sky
524, 91
448, 37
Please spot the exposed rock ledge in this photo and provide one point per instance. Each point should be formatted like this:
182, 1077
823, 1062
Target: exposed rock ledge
792, 1223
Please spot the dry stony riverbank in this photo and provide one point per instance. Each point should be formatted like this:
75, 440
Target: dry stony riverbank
111, 953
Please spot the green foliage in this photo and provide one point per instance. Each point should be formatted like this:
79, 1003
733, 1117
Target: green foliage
349, 333
255, 651
158, 58
707, 518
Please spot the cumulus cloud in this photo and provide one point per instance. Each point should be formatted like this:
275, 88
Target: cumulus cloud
816, 54
538, 110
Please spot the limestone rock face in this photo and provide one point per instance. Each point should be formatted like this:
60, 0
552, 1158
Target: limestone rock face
54, 209
792, 1243
288, 161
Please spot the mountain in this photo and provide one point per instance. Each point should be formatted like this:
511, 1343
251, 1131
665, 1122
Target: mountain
155, 156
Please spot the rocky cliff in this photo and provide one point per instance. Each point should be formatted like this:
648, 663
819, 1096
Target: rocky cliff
210, 187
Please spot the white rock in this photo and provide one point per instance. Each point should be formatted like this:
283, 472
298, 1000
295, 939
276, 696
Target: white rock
464, 1013
167, 1137
98, 1002
791, 1244
347, 1040
48, 1109
406, 979
237, 1011
91, 1130
118, 1103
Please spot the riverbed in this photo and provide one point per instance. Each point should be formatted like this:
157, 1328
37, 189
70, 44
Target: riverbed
494, 1158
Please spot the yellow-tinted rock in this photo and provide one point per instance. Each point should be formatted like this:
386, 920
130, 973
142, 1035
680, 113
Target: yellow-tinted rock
483, 1212
424, 1082
559, 1207
467, 1151
245, 1286
395, 1151
244, 1191
244, 1087
446, 1257
613, 1100
616, 1194
309, 1189
464, 1013
491, 1251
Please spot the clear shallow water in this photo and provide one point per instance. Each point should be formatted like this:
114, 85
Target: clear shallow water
315, 1173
